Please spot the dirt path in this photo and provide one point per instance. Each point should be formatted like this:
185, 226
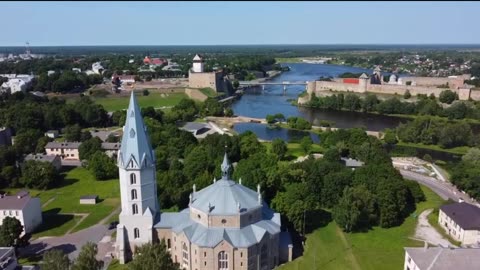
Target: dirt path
348, 249
84, 216
49, 201
427, 233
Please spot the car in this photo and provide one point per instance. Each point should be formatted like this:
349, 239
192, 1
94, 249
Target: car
113, 225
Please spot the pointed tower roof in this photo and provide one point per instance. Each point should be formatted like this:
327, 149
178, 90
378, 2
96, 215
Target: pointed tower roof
225, 167
135, 142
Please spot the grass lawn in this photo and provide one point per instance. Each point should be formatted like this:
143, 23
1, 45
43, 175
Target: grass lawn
456, 150
114, 103
433, 220
379, 248
209, 92
295, 150
115, 265
66, 201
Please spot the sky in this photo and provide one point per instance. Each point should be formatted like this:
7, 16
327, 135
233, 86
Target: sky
231, 23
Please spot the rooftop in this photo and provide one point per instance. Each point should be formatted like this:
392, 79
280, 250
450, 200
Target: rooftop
14, 202
64, 145
464, 214
110, 146
41, 157
440, 258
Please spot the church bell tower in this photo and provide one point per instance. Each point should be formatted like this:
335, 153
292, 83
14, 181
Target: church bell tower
138, 188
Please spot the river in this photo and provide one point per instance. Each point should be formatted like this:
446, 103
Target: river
258, 103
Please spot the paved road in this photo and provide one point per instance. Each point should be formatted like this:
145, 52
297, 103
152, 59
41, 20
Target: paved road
443, 189
426, 232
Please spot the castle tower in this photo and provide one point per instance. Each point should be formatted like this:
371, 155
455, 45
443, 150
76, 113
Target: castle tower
198, 64
363, 82
138, 188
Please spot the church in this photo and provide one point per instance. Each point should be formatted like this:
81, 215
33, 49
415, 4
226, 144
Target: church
226, 226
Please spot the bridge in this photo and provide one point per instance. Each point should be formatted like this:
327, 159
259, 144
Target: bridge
256, 83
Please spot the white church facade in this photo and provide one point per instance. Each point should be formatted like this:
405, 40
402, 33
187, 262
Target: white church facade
226, 226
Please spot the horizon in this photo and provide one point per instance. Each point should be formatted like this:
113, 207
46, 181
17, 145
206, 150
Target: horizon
238, 23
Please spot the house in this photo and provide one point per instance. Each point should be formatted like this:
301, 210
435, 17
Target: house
352, 163
97, 68
22, 207
66, 150
14, 85
111, 149
196, 128
441, 258
128, 79
55, 160
5, 136
89, 199
103, 134
461, 221
8, 260
51, 134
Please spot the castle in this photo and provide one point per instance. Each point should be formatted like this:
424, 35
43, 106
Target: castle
395, 85
226, 226
198, 78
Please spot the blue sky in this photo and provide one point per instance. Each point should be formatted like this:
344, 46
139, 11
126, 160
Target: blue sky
220, 23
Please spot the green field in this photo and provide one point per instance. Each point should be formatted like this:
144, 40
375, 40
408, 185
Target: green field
64, 201
209, 92
294, 150
379, 248
114, 103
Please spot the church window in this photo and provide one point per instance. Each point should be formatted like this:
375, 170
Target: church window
132, 133
134, 194
136, 233
223, 260
169, 244
241, 254
224, 221
133, 179
135, 209
264, 257
204, 254
198, 216
185, 254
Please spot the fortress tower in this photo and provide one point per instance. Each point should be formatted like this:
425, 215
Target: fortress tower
198, 64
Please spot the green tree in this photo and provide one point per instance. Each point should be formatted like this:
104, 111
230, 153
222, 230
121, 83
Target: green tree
72, 133
390, 136
279, 148
447, 96
112, 138
355, 210
10, 231
270, 118
145, 92
407, 94
102, 166
212, 107
89, 147
86, 258
55, 259
38, 174
40, 148
228, 112
153, 256
85, 135
472, 157
235, 84
352, 102
306, 144
332, 155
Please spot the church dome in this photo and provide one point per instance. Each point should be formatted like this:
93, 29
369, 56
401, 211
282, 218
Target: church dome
226, 197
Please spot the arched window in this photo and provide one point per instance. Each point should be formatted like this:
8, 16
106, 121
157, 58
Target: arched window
184, 254
223, 260
264, 257
134, 194
134, 209
133, 179
136, 233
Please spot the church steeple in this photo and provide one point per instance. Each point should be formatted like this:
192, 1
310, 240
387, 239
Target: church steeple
135, 151
225, 167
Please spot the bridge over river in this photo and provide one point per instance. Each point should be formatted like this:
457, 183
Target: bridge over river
262, 83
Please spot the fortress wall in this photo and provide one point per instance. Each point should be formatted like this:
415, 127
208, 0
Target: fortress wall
475, 94
202, 80
336, 86
454, 83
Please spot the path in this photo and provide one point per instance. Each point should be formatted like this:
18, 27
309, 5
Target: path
78, 222
105, 219
348, 249
49, 201
427, 233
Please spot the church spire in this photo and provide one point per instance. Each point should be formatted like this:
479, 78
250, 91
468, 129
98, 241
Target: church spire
225, 167
135, 150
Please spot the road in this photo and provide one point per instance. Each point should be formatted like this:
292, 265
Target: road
443, 189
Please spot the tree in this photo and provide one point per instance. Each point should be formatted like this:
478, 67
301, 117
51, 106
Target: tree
306, 144
355, 210
152, 256
72, 133
228, 112
407, 94
332, 154
112, 138
279, 116
85, 135
279, 148
86, 259
89, 147
102, 166
390, 136
472, 157
10, 232
270, 118
352, 102
447, 96
235, 84
38, 174
146, 92
212, 107
55, 259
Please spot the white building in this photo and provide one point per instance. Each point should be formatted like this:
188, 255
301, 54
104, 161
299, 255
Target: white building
97, 68
22, 207
440, 258
198, 64
461, 221
14, 85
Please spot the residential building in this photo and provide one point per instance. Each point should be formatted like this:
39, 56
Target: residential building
111, 149
22, 207
66, 150
8, 260
97, 68
52, 134
14, 85
226, 225
461, 221
441, 258
55, 160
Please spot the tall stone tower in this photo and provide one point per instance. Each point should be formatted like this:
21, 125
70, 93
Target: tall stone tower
198, 65
138, 188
